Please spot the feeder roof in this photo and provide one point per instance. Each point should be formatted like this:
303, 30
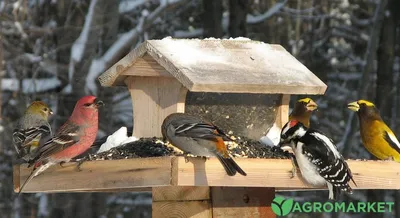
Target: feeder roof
218, 65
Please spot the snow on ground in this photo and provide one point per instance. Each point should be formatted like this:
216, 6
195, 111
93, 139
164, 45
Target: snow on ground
118, 138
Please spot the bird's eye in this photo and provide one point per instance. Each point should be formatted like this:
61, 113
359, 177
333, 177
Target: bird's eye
45, 109
87, 104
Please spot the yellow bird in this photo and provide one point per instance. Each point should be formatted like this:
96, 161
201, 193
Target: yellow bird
376, 136
302, 111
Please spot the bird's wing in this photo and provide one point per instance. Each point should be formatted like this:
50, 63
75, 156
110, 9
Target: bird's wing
322, 149
68, 135
200, 130
392, 140
318, 150
26, 136
329, 162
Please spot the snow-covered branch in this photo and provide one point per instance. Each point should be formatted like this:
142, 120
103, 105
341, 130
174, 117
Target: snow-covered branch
250, 19
122, 44
129, 5
30, 85
79, 46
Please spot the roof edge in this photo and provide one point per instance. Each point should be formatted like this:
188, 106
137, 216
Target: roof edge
110, 77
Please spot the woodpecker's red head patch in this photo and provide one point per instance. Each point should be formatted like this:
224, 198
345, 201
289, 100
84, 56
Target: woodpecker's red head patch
293, 123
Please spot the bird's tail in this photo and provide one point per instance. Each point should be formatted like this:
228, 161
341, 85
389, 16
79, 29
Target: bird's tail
36, 171
230, 166
336, 190
347, 189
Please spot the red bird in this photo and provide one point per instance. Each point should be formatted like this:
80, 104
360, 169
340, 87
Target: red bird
195, 136
73, 138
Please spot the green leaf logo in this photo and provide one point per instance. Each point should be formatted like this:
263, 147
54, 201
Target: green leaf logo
282, 206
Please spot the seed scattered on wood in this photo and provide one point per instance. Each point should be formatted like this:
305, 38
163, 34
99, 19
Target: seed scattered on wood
155, 147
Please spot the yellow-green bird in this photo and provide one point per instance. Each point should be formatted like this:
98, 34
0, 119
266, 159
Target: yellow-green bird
376, 136
30, 128
302, 111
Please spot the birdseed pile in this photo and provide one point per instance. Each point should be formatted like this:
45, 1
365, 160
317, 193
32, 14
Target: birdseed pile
155, 147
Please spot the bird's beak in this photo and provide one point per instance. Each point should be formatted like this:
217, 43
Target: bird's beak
51, 112
98, 103
311, 105
284, 146
354, 106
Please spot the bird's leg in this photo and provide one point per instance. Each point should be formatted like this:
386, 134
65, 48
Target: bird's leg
62, 163
80, 162
294, 166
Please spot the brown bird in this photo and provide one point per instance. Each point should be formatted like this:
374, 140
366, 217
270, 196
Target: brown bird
376, 136
302, 111
198, 137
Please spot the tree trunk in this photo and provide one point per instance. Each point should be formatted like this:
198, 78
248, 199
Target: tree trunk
386, 49
384, 83
212, 18
237, 17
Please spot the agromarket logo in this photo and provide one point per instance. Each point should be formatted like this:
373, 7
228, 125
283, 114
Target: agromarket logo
283, 207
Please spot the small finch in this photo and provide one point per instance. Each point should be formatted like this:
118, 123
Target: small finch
31, 128
73, 138
201, 138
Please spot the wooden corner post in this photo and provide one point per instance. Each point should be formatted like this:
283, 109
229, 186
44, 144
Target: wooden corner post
282, 117
153, 99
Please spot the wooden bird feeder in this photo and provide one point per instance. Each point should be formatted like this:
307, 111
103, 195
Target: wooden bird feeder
242, 86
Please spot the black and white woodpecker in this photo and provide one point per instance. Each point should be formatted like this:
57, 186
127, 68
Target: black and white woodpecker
317, 157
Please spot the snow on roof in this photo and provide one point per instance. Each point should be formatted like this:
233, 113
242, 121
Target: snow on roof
237, 65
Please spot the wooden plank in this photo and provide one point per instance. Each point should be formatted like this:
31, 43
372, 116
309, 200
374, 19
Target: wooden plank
181, 193
242, 202
126, 174
276, 173
16, 177
181, 202
184, 209
99, 175
154, 98
144, 189
146, 66
234, 66
282, 117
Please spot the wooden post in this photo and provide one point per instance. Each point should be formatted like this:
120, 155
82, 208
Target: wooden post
245, 202
153, 99
181, 202
282, 117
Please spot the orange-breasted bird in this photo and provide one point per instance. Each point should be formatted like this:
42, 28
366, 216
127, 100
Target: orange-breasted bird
376, 136
198, 137
302, 111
